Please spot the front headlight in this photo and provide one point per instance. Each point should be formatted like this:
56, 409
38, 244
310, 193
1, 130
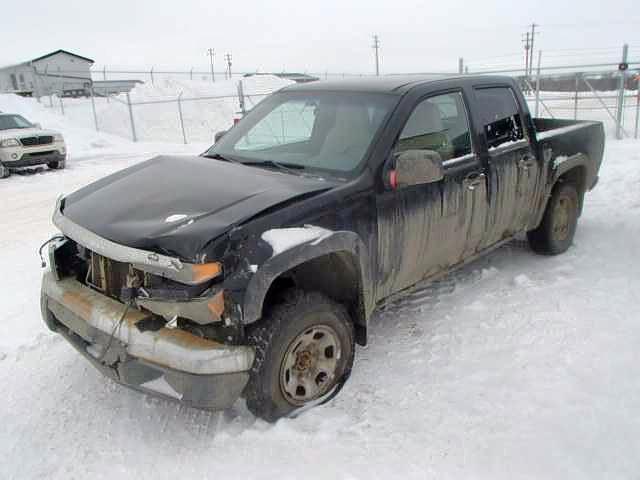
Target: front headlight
58, 138
9, 142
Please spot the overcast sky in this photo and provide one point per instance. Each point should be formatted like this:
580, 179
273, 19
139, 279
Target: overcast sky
317, 36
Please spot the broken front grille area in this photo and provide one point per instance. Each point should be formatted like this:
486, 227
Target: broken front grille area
120, 280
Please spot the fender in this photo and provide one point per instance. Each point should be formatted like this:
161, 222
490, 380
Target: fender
334, 242
559, 166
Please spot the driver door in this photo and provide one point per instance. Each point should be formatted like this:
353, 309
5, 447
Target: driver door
425, 229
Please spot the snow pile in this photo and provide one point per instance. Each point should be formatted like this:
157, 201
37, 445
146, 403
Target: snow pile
203, 116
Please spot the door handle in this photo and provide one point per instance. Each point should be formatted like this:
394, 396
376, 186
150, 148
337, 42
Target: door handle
473, 180
526, 162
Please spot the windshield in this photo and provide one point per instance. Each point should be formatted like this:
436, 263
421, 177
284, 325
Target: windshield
8, 122
327, 131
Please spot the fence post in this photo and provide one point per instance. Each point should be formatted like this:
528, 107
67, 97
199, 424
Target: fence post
93, 107
133, 124
184, 134
151, 73
61, 105
621, 83
104, 72
241, 98
575, 99
637, 106
191, 74
460, 65
537, 110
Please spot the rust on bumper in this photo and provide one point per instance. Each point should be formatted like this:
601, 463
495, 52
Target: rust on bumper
170, 363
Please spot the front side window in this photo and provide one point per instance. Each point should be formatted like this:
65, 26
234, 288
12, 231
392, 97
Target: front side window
501, 116
438, 124
326, 131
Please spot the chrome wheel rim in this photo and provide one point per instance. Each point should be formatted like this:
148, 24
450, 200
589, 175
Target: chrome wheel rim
309, 367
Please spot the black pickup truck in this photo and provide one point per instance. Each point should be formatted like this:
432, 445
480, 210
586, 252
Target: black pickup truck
253, 269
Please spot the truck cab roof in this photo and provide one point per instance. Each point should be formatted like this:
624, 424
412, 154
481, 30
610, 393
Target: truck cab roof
395, 84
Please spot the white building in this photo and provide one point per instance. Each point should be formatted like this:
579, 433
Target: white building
58, 72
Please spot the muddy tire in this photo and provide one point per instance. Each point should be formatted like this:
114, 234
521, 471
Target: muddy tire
57, 165
558, 227
4, 171
304, 354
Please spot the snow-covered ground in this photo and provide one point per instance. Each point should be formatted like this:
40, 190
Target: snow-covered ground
518, 366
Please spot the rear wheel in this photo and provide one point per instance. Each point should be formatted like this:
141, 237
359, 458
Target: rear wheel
4, 171
304, 354
558, 227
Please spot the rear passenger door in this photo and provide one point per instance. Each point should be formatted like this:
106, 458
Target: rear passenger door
510, 162
425, 229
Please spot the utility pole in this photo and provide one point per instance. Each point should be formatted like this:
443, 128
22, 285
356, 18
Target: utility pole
376, 47
533, 37
527, 46
228, 59
211, 52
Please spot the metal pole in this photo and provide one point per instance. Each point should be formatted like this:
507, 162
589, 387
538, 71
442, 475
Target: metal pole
184, 134
538, 83
151, 73
575, 100
93, 107
133, 124
211, 52
191, 74
61, 105
637, 107
104, 72
376, 47
241, 98
460, 65
621, 84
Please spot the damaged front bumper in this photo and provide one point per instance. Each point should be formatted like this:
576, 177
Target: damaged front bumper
124, 345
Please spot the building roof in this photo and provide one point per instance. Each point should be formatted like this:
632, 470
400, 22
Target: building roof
62, 51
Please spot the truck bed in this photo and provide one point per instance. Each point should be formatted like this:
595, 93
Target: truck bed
564, 139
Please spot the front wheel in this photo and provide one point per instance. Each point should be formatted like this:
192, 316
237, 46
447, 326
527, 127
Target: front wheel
4, 171
304, 354
57, 165
558, 227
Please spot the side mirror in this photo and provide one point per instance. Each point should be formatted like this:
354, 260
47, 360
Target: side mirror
219, 135
37, 125
416, 167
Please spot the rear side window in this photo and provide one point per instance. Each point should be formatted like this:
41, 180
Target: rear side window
501, 117
438, 124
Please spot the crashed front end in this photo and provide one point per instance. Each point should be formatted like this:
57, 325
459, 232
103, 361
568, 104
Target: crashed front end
148, 321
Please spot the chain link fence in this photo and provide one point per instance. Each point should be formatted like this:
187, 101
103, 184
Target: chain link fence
607, 92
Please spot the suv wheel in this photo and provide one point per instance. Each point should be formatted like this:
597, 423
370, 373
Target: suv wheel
304, 354
4, 171
558, 227
57, 165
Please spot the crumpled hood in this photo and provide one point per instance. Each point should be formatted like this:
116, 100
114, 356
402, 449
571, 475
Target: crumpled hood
176, 205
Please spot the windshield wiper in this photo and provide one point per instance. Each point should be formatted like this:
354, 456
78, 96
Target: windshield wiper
217, 156
290, 167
